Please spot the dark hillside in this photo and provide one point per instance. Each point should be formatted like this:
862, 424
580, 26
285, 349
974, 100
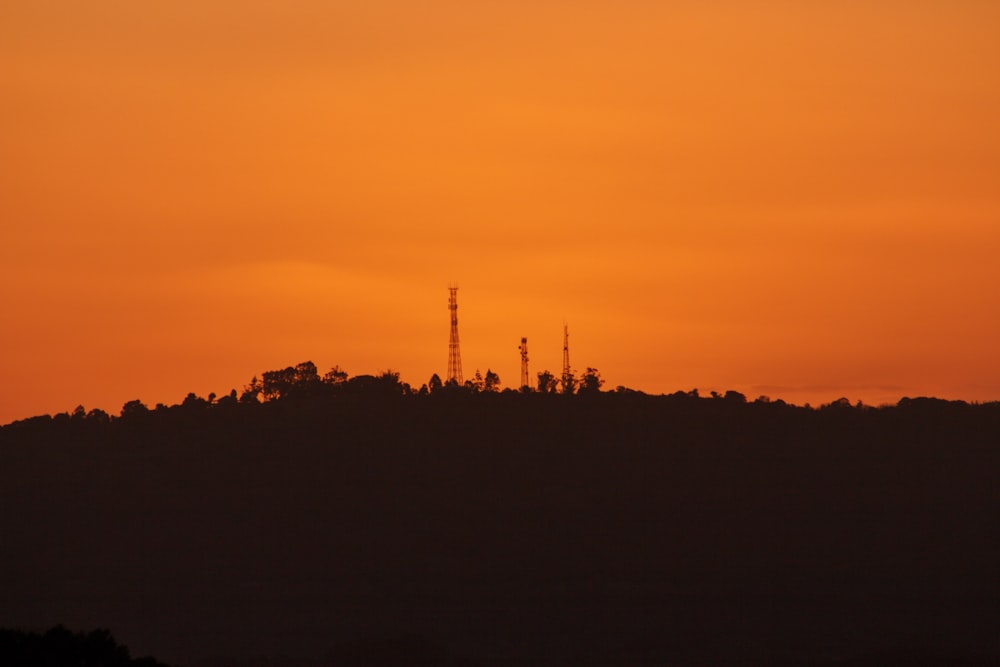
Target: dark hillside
498, 529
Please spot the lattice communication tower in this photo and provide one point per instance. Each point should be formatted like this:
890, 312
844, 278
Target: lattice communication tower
454, 355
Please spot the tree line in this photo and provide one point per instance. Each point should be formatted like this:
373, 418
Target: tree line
304, 382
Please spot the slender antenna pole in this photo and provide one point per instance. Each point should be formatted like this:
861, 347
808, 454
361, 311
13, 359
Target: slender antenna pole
523, 347
567, 374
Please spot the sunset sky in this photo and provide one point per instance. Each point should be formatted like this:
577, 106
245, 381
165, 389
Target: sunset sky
797, 199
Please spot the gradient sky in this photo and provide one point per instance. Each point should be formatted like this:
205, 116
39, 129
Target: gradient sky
785, 198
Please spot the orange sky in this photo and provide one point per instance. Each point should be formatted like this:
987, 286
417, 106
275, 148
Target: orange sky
784, 198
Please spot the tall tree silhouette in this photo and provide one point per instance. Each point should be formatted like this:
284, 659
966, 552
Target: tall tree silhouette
547, 383
590, 381
491, 382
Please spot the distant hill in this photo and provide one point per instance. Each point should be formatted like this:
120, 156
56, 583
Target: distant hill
374, 525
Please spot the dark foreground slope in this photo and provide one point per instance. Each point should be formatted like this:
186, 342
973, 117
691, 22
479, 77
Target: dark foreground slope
510, 529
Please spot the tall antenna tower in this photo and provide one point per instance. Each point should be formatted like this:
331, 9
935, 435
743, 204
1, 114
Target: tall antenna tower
523, 347
454, 356
566, 374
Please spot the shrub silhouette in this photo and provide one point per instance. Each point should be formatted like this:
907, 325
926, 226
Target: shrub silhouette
59, 647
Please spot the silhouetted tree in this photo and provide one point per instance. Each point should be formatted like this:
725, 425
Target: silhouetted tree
335, 376
434, 384
192, 400
295, 381
735, 397
251, 392
547, 383
392, 384
98, 416
277, 383
491, 382
591, 382
386, 383
134, 408
229, 399
567, 384
476, 384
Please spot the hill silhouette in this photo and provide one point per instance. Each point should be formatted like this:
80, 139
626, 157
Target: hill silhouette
359, 521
